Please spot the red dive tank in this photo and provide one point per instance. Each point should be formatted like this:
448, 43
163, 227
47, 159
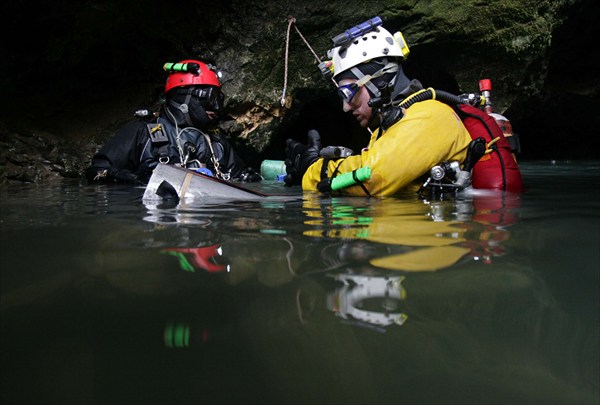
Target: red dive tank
499, 169
485, 87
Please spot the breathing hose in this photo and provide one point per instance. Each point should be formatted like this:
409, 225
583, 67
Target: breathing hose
440, 95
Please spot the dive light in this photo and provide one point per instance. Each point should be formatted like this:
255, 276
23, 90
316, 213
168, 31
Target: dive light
182, 67
355, 32
335, 152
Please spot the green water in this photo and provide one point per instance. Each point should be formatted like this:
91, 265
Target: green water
487, 299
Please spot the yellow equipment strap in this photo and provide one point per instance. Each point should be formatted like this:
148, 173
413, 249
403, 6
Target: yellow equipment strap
488, 145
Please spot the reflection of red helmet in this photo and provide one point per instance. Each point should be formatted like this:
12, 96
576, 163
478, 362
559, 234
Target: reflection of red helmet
198, 73
202, 258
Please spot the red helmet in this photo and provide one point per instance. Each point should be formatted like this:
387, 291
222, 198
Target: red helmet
193, 73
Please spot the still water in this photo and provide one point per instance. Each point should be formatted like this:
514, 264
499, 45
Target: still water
485, 299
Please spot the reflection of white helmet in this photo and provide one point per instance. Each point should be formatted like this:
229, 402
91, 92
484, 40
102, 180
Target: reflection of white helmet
374, 44
371, 299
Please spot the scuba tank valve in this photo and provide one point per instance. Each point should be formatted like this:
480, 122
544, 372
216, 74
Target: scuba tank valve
449, 177
485, 87
445, 169
474, 99
456, 178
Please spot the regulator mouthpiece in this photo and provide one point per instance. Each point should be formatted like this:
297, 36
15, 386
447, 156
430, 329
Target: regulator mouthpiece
357, 31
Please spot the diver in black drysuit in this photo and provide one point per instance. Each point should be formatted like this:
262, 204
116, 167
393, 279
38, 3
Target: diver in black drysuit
185, 133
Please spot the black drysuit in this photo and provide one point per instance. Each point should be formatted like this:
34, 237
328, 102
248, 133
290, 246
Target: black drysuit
135, 150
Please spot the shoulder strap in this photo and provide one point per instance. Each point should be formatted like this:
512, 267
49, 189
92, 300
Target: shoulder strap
160, 141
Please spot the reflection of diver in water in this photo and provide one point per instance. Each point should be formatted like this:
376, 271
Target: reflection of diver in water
361, 295
368, 299
358, 245
204, 258
345, 275
393, 234
464, 324
417, 236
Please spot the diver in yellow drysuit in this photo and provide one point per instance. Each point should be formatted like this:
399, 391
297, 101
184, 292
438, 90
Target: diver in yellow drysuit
407, 142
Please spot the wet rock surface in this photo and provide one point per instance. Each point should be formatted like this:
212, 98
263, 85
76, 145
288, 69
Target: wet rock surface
68, 88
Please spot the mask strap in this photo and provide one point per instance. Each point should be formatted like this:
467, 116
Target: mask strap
365, 80
362, 82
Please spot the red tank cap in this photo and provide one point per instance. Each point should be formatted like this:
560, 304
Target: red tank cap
485, 85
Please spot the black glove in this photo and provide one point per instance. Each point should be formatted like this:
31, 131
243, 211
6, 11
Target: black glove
249, 175
123, 176
299, 157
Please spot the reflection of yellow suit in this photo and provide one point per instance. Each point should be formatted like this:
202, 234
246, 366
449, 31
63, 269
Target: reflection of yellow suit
429, 259
395, 222
428, 134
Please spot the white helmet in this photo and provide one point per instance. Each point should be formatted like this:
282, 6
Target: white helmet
374, 44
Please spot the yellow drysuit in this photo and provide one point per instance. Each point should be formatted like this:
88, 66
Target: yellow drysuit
429, 133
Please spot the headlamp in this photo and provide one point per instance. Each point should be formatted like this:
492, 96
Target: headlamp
182, 67
215, 69
355, 32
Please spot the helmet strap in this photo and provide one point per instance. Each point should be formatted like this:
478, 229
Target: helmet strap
184, 109
365, 80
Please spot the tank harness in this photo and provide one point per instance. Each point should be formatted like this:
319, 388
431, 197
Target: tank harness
490, 163
167, 144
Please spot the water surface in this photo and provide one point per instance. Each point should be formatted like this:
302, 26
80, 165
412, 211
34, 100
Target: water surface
485, 299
